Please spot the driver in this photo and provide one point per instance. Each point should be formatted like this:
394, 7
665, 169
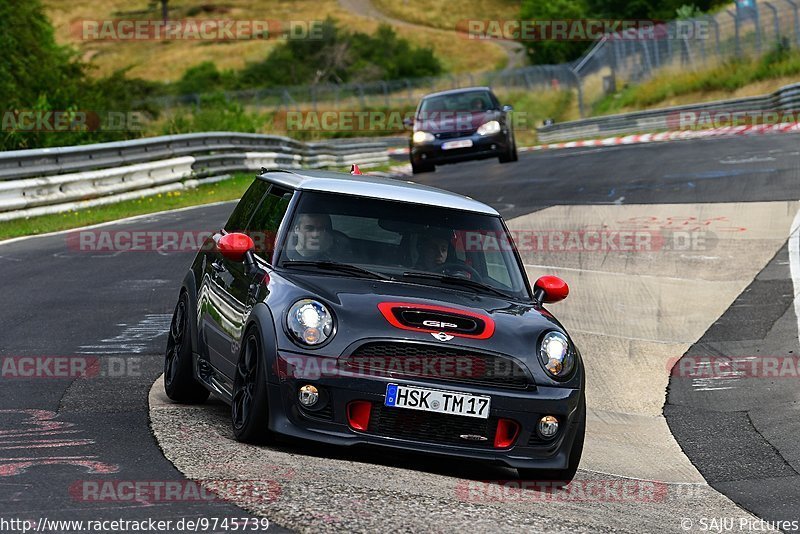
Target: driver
478, 104
314, 239
433, 249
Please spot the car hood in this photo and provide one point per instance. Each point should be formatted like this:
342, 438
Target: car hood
440, 122
357, 303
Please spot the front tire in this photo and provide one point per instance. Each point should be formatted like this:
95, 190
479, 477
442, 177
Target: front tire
179, 382
511, 154
419, 169
249, 409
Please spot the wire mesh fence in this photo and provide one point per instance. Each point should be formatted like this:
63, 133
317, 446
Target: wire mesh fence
751, 28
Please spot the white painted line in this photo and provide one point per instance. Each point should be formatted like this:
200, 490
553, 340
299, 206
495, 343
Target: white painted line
794, 265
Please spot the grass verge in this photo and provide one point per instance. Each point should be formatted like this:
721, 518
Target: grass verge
720, 81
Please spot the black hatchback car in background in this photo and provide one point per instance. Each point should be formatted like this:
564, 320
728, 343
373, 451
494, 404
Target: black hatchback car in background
460, 125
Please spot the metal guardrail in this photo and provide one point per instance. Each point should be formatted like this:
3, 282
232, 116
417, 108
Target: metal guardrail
784, 100
53, 180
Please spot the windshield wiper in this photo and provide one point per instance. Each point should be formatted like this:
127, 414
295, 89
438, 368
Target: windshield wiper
456, 280
336, 266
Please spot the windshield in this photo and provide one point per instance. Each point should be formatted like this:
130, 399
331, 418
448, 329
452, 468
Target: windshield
402, 240
469, 101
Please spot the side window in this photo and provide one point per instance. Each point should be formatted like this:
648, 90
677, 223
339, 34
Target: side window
263, 227
246, 206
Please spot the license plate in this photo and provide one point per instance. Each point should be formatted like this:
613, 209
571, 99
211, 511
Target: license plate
461, 143
435, 400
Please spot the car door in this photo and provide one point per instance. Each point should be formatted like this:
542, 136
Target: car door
218, 308
243, 288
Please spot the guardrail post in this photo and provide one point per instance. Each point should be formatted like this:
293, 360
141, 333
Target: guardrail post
796, 20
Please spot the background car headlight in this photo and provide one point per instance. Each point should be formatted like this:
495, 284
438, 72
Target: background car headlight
310, 322
557, 355
422, 137
488, 128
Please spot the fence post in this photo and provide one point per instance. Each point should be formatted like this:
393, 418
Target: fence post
647, 55
758, 30
580, 92
796, 20
361, 95
669, 45
714, 23
688, 51
736, 24
385, 93
703, 54
617, 57
775, 21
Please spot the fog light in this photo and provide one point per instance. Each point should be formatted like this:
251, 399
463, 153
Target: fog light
547, 427
308, 395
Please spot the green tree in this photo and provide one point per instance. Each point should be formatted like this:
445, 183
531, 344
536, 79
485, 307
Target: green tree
548, 51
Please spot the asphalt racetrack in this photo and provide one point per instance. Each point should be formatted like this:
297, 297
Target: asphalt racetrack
668, 446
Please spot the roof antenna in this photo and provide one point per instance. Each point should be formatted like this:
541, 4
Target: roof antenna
355, 170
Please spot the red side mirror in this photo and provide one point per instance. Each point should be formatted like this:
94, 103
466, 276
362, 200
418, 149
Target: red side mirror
550, 289
235, 246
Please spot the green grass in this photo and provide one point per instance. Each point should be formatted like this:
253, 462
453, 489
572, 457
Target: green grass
726, 77
533, 107
230, 189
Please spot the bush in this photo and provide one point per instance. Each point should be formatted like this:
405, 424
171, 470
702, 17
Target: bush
38, 75
340, 56
215, 113
204, 78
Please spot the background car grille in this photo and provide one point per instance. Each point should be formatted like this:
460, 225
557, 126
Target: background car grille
431, 427
452, 135
418, 360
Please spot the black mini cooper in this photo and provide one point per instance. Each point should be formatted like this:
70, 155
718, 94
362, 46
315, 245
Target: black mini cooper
362, 310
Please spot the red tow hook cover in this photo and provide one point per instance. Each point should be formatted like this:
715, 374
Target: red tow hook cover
358, 413
506, 435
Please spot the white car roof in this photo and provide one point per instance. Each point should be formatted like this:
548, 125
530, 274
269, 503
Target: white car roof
374, 187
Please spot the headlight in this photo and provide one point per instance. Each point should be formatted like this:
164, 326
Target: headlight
422, 137
310, 322
556, 355
491, 127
